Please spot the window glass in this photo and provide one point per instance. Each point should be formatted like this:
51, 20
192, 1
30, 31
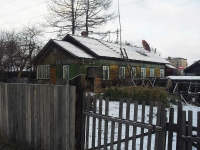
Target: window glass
143, 72
43, 72
151, 72
121, 72
133, 72
162, 73
66, 72
106, 73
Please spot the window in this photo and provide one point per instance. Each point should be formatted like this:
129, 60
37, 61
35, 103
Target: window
162, 73
151, 72
66, 72
43, 72
133, 72
121, 72
143, 72
105, 72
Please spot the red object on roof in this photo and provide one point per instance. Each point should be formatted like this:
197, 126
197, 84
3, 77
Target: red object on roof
180, 67
146, 45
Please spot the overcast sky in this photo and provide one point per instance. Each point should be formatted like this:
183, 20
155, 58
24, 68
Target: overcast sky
170, 26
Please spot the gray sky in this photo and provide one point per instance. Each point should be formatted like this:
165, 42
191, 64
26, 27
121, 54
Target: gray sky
170, 26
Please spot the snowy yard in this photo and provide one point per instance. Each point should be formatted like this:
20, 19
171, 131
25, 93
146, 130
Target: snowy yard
114, 111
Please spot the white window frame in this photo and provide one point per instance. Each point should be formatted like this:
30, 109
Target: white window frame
65, 71
122, 72
143, 72
133, 74
43, 72
152, 72
106, 73
162, 73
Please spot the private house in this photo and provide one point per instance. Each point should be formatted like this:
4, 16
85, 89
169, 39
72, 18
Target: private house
100, 61
193, 70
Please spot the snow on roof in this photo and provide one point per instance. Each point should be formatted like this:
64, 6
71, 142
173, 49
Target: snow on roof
184, 77
97, 47
107, 49
73, 49
170, 66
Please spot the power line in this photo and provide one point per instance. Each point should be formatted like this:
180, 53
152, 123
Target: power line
24, 19
126, 4
23, 9
7, 3
46, 13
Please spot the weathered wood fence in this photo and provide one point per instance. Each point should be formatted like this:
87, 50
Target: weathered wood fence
38, 116
101, 130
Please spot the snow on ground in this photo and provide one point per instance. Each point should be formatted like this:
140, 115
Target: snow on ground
114, 111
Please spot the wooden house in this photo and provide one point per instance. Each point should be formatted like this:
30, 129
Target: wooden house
100, 61
193, 70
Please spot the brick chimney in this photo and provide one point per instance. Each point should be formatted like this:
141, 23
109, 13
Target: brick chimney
84, 33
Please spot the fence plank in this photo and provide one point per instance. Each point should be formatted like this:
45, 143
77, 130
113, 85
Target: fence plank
40, 99
83, 124
189, 131
157, 135
171, 126
72, 112
150, 123
94, 122
162, 136
142, 129
100, 123
106, 123
135, 128
51, 117
112, 135
183, 129
87, 121
198, 129
179, 129
119, 124
65, 118
127, 126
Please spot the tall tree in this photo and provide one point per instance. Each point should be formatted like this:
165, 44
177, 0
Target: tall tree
76, 15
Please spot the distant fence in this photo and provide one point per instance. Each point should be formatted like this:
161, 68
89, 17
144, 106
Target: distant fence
128, 131
38, 116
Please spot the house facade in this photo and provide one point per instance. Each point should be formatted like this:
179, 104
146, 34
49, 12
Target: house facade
100, 61
193, 70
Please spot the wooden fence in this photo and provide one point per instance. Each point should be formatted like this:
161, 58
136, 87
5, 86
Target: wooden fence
102, 130
38, 116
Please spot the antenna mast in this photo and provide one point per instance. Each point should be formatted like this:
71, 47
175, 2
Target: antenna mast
120, 27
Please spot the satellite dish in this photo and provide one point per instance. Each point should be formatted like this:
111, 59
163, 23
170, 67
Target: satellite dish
146, 45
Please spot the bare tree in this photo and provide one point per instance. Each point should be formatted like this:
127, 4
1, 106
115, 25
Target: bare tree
28, 45
95, 13
18, 48
65, 15
75, 15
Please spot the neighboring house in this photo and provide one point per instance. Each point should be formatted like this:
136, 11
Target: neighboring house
179, 63
193, 70
100, 61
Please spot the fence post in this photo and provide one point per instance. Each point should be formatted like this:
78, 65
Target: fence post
79, 82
